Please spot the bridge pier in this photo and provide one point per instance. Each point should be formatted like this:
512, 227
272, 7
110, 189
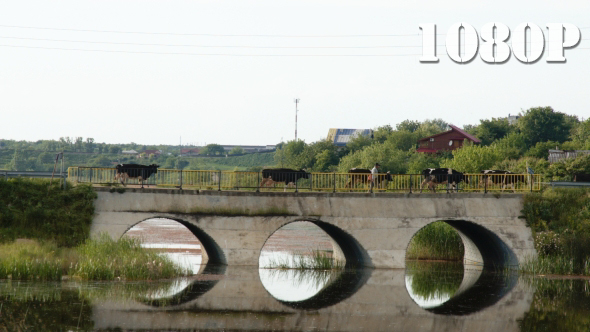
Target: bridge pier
371, 230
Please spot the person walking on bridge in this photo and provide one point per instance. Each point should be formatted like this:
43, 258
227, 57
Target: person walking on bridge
373, 176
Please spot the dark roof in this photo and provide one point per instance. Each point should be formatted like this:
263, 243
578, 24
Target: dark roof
456, 129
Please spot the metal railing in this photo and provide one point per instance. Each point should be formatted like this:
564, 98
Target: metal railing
315, 181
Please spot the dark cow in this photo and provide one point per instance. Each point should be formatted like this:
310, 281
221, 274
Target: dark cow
133, 171
434, 176
363, 175
288, 176
503, 178
581, 177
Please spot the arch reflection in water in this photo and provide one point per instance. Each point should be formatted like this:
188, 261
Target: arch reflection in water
451, 289
312, 289
171, 239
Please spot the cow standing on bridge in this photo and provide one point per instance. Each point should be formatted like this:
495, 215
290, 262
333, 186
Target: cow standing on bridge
288, 176
363, 175
435, 176
133, 171
503, 178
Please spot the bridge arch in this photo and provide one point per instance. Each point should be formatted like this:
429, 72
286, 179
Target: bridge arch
211, 251
346, 247
483, 247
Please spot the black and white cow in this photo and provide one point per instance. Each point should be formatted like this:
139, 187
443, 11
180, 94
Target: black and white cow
363, 175
503, 178
435, 176
288, 176
133, 171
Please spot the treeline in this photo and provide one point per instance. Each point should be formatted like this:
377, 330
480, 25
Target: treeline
504, 146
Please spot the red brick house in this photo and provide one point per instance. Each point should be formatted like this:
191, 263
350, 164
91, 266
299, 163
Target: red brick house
447, 141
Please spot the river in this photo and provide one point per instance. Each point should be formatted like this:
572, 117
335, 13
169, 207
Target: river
426, 296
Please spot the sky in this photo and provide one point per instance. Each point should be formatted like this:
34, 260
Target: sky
227, 72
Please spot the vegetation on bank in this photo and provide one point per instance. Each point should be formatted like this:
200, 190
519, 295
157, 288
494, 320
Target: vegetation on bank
560, 222
436, 241
96, 259
33, 209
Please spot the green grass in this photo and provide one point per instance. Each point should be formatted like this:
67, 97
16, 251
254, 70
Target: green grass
436, 241
560, 223
318, 260
35, 210
96, 259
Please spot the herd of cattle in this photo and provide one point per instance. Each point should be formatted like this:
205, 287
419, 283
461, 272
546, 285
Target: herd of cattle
289, 177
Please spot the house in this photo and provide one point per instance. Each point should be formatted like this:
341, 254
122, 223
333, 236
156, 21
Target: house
446, 141
512, 119
560, 155
340, 137
150, 153
130, 152
189, 152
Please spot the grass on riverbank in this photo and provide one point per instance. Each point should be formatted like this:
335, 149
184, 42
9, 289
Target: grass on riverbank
560, 222
436, 241
31, 208
96, 259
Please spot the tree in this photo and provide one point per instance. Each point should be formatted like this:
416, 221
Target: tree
382, 133
78, 144
46, 158
115, 149
181, 163
542, 124
489, 131
408, 125
358, 143
236, 150
473, 158
294, 155
18, 162
212, 149
89, 145
541, 149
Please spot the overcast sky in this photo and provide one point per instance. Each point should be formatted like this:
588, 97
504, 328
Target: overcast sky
71, 68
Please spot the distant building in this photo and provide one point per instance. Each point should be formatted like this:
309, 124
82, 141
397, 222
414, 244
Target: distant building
189, 152
249, 148
560, 155
446, 141
340, 137
130, 152
150, 153
512, 119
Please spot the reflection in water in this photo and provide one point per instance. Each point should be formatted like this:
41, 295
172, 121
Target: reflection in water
449, 289
295, 285
235, 299
431, 284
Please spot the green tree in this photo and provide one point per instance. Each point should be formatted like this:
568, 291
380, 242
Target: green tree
408, 125
115, 149
293, 154
489, 131
212, 149
382, 133
473, 158
181, 163
236, 150
358, 143
541, 149
18, 162
89, 145
46, 158
421, 161
542, 124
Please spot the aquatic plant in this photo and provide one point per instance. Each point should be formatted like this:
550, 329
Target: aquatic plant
316, 259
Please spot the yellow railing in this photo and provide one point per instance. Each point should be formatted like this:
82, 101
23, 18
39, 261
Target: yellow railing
316, 181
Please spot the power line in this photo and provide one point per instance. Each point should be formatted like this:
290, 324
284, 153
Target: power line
209, 54
208, 34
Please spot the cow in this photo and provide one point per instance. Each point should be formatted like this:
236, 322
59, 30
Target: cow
581, 177
133, 171
503, 178
363, 175
434, 176
270, 176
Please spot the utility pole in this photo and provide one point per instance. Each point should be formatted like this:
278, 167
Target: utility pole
296, 102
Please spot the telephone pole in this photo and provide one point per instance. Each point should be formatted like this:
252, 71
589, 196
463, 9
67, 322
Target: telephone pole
296, 102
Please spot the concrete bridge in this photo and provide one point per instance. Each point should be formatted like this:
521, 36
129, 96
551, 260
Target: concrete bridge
371, 230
